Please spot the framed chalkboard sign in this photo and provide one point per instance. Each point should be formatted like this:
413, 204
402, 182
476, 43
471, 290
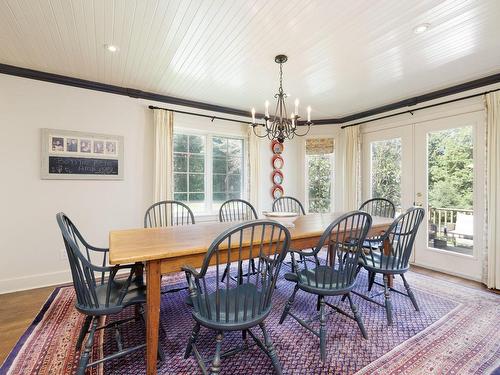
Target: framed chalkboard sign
72, 155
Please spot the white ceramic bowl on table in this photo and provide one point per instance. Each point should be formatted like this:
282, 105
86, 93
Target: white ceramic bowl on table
284, 218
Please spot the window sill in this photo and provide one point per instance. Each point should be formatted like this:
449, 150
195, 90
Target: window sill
204, 217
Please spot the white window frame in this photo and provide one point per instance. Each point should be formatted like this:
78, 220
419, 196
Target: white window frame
332, 175
209, 211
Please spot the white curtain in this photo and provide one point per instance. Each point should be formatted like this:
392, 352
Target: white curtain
163, 154
493, 189
352, 159
254, 168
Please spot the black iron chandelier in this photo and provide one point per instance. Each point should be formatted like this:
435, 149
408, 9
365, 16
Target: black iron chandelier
281, 127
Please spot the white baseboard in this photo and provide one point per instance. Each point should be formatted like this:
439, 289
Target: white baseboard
34, 281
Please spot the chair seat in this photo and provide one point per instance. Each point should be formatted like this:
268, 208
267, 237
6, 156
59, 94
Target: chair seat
389, 264
239, 308
322, 280
136, 294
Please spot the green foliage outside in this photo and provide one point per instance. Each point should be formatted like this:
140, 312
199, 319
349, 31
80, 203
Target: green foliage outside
320, 183
386, 170
451, 173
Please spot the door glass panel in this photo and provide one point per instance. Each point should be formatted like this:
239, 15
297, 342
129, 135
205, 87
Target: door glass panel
386, 170
319, 164
450, 181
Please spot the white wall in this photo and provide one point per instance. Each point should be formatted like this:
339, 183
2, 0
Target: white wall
30, 241
291, 183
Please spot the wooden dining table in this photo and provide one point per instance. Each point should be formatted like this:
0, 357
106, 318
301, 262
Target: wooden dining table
165, 250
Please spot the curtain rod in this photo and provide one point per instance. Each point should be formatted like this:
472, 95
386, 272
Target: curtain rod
418, 109
214, 117
201, 115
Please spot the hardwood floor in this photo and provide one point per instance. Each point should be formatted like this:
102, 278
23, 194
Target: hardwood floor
17, 310
453, 279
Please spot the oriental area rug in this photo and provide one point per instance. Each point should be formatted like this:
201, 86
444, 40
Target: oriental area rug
456, 331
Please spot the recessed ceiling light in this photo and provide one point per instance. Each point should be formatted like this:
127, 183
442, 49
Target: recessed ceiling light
111, 48
422, 28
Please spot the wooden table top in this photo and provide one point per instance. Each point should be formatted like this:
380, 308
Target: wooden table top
140, 245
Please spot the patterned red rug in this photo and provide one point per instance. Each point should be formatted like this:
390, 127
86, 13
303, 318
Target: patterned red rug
456, 332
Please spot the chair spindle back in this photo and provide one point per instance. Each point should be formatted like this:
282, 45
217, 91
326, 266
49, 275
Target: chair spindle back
248, 297
342, 241
379, 207
237, 210
87, 277
288, 204
398, 240
168, 213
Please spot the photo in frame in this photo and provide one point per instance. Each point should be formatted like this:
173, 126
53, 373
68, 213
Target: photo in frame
73, 155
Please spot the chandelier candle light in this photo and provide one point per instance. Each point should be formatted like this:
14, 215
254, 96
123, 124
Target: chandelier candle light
281, 127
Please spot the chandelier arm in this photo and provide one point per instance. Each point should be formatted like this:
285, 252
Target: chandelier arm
258, 135
303, 134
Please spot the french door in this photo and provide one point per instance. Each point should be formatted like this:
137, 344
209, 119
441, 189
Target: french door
438, 165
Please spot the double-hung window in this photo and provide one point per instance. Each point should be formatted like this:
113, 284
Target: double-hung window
208, 170
320, 174
189, 170
227, 172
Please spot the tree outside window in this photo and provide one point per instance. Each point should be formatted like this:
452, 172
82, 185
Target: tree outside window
319, 164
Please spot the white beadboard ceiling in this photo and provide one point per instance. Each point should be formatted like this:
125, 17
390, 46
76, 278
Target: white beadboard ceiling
344, 56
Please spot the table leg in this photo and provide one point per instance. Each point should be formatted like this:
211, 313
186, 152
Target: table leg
152, 314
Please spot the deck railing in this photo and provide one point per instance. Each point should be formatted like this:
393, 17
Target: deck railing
445, 217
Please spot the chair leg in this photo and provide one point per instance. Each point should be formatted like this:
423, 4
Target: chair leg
318, 303
292, 259
356, 275
270, 350
192, 340
215, 369
289, 304
244, 334
83, 332
322, 328
371, 280
388, 302
357, 316
358, 269
224, 274
84, 359
410, 292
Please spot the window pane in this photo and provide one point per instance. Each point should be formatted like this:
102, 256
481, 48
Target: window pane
180, 197
219, 183
450, 161
234, 183
233, 195
196, 144
320, 183
180, 163
197, 163
180, 182
219, 146
219, 165
386, 170
180, 143
196, 197
196, 183
234, 147
234, 165
219, 197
